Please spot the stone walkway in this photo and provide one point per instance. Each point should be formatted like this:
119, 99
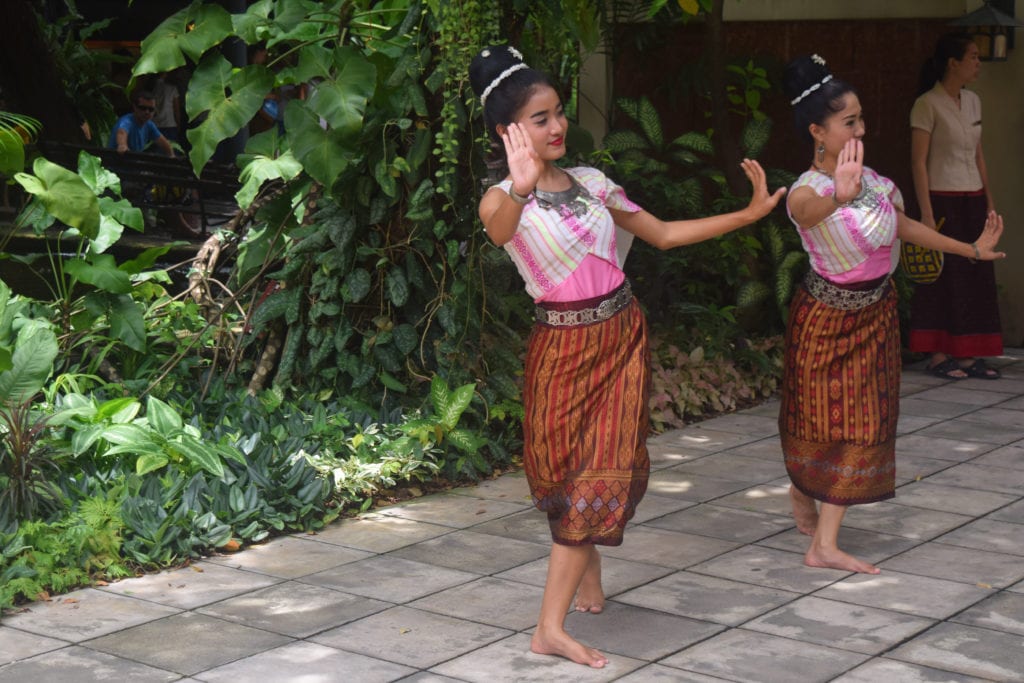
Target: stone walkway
708, 585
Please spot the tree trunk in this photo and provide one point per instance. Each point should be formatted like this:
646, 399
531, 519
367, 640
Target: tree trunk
29, 76
726, 146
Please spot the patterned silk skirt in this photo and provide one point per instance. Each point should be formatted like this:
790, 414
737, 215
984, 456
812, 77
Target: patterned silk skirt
585, 429
840, 399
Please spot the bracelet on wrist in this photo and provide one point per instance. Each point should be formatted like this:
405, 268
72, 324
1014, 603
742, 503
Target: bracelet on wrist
977, 253
835, 200
518, 198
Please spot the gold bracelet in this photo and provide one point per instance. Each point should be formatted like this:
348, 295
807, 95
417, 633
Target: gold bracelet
518, 198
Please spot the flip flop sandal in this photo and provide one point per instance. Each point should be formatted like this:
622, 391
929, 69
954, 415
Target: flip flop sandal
980, 370
946, 368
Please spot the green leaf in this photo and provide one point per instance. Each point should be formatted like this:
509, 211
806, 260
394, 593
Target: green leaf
200, 454
619, 141
127, 323
650, 123
695, 142
190, 32
150, 462
31, 364
341, 101
122, 211
405, 338
102, 272
99, 179
755, 136
397, 286
262, 169
320, 151
391, 382
64, 195
162, 417
357, 286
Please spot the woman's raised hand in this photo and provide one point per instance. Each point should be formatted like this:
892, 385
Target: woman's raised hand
761, 202
986, 243
849, 168
524, 165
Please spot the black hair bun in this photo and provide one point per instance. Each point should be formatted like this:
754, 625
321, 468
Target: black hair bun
802, 74
489, 64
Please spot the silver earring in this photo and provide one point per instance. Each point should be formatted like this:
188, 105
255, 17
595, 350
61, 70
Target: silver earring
821, 151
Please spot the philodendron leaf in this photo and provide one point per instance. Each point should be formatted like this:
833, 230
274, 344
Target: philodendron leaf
64, 195
31, 364
188, 33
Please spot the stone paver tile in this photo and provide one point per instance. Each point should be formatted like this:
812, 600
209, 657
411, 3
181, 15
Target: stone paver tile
965, 430
900, 520
666, 548
637, 632
189, 587
666, 455
510, 661
290, 557
294, 609
966, 565
410, 636
981, 395
1011, 456
934, 447
769, 408
83, 614
517, 603
449, 509
427, 677
1013, 404
923, 596
955, 499
378, 533
81, 665
732, 466
730, 524
996, 416
739, 655
1011, 513
769, 449
617, 575
772, 498
16, 644
885, 670
769, 567
908, 424
911, 467
658, 672
308, 662
187, 643
1001, 612
969, 475
529, 525
474, 552
839, 624
688, 486
388, 578
708, 440
869, 546
921, 407
743, 423
511, 487
988, 534
968, 650
652, 507
707, 598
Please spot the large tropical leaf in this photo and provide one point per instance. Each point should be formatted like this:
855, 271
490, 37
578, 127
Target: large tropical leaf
226, 100
262, 169
341, 101
101, 272
31, 364
322, 152
64, 195
188, 33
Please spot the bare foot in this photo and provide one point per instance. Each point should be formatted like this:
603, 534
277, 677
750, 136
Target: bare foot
805, 512
590, 596
837, 559
563, 645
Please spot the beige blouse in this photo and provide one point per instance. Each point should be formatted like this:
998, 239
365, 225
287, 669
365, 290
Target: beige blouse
956, 134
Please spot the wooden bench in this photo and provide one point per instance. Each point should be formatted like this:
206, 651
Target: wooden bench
154, 181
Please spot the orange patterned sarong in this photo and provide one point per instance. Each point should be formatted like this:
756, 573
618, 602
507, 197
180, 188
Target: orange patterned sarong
840, 399
586, 424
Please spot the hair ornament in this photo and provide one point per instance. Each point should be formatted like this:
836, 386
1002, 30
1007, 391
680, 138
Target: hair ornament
818, 59
515, 53
811, 89
499, 78
485, 53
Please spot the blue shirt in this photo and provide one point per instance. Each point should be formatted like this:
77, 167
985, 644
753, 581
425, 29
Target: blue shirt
139, 137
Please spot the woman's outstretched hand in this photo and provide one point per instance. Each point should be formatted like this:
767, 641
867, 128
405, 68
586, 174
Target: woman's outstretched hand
849, 169
761, 203
986, 243
524, 165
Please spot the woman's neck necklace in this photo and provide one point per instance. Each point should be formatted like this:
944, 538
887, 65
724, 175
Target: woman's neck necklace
821, 169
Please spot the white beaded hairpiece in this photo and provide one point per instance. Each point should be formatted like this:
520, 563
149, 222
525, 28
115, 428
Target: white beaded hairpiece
819, 60
504, 74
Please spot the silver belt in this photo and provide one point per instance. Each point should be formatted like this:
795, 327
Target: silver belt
604, 310
843, 299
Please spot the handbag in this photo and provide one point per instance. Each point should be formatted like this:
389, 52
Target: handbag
922, 265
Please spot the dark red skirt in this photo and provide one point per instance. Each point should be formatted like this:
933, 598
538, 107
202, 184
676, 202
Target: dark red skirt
840, 399
586, 423
958, 314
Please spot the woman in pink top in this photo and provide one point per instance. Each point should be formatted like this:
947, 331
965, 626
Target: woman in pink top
586, 383
840, 385
956, 317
